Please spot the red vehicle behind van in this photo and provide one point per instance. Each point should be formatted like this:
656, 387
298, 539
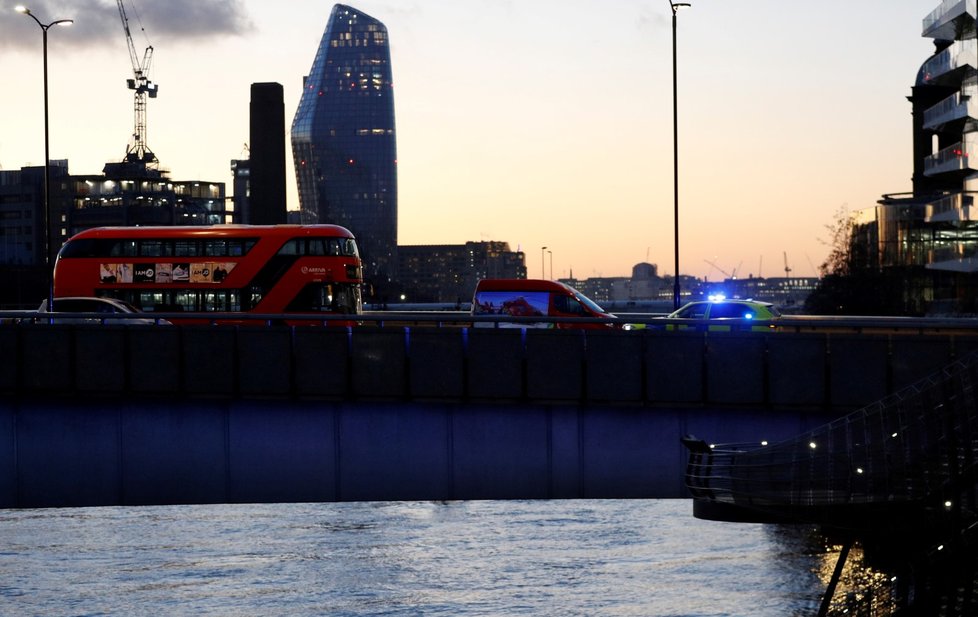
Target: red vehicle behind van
537, 298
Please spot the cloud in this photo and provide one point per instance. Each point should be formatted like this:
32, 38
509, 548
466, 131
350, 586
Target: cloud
97, 22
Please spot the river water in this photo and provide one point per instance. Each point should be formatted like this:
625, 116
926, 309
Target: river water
619, 558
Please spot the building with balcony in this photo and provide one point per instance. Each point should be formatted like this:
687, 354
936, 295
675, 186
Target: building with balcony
928, 238
343, 140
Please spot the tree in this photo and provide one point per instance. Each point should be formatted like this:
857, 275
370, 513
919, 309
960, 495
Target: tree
852, 282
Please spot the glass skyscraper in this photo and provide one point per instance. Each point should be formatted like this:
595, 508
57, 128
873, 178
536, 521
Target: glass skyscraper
343, 139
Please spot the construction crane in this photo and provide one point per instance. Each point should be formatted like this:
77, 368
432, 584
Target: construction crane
138, 151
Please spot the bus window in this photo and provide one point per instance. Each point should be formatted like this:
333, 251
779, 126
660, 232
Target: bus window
185, 248
187, 300
316, 246
237, 248
151, 248
122, 248
290, 248
212, 301
215, 248
341, 298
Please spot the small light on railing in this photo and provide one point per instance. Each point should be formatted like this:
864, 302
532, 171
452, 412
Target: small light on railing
859, 469
712, 445
764, 443
948, 504
812, 445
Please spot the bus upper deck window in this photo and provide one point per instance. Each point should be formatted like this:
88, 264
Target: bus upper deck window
316, 246
216, 248
290, 248
123, 248
151, 248
185, 248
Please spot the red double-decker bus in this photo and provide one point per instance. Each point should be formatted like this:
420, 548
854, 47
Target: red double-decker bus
270, 269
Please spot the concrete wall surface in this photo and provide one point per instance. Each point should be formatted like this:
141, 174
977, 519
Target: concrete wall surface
67, 453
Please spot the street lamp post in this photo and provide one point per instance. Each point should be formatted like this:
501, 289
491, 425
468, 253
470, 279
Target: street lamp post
47, 153
543, 263
675, 154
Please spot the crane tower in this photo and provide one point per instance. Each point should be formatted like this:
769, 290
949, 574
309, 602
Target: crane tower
138, 151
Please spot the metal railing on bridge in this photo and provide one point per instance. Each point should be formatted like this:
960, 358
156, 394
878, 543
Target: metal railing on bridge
815, 363
900, 475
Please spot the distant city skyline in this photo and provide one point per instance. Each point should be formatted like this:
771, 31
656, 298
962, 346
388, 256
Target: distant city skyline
537, 124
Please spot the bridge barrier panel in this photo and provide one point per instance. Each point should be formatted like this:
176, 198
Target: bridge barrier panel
916, 357
9, 359
8, 455
500, 453
796, 370
398, 451
264, 361
155, 361
66, 458
674, 367
100, 359
46, 358
286, 454
437, 363
322, 362
630, 452
174, 454
565, 451
379, 363
857, 369
735, 367
554, 364
208, 360
614, 366
495, 362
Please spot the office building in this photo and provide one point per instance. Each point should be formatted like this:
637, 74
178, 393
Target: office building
448, 273
125, 197
343, 140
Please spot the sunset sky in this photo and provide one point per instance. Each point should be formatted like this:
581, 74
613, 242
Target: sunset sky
536, 122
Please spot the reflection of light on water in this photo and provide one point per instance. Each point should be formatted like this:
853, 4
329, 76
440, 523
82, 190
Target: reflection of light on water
862, 590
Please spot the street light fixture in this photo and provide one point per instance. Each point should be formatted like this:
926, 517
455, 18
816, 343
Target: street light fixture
675, 153
47, 153
551, 253
543, 264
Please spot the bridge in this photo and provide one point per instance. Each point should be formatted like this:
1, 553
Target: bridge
131, 414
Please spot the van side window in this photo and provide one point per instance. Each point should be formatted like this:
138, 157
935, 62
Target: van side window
568, 306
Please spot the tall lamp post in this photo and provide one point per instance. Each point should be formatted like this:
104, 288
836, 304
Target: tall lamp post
47, 155
675, 153
543, 263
